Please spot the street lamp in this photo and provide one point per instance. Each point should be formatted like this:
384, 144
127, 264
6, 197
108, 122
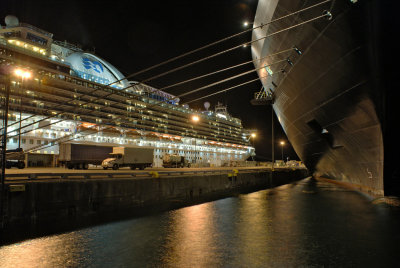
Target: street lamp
23, 74
195, 119
246, 23
282, 143
252, 135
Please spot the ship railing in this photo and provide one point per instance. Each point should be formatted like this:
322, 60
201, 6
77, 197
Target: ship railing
23, 49
36, 29
239, 163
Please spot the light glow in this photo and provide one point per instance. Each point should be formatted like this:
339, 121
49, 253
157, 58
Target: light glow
268, 69
221, 115
18, 72
23, 74
195, 118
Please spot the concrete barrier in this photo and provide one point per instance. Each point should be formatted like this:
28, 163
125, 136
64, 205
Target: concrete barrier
36, 202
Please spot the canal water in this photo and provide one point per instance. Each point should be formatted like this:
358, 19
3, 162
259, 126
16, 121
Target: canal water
305, 224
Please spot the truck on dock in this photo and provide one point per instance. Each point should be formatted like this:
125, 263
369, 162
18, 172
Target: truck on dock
175, 161
129, 157
15, 158
79, 156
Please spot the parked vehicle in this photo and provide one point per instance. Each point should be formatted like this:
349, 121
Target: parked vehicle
174, 160
79, 156
15, 158
129, 157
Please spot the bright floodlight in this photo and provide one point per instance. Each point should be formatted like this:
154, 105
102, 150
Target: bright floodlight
195, 118
22, 73
253, 135
26, 75
246, 24
282, 143
18, 72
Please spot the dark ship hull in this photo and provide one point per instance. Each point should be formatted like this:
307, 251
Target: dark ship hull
329, 96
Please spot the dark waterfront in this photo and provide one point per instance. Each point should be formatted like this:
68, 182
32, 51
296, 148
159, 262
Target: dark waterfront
309, 224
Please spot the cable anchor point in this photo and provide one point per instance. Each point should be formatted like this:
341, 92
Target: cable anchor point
327, 14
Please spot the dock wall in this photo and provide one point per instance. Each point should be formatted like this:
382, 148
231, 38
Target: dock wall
33, 202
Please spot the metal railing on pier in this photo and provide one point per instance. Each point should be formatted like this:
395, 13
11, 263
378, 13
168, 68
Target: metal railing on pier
138, 174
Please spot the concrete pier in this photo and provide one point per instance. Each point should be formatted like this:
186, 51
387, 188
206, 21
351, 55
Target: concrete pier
39, 202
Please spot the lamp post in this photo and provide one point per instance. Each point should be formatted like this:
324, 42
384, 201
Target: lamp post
246, 24
282, 143
272, 138
4, 146
195, 119
23, 75
253, 135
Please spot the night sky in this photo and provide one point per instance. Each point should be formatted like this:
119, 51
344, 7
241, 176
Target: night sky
134, 35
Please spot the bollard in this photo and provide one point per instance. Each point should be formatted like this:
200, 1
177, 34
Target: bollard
154, 174
232, 176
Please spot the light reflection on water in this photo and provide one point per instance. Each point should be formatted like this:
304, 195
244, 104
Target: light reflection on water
57, 250
192, 238
305, 224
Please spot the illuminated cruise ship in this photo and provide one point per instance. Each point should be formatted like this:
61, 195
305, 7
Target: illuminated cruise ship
64, 94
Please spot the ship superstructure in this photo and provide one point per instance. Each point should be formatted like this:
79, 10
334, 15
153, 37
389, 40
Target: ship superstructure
75, 96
